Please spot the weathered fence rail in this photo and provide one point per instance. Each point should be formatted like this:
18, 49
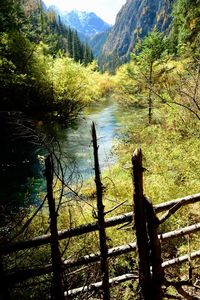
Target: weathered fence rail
21, 275
91, 227
151, 268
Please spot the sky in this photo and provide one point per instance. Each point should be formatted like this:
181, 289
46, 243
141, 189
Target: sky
105, 9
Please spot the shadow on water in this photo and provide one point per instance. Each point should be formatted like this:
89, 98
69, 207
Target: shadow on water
21, 176
20, 169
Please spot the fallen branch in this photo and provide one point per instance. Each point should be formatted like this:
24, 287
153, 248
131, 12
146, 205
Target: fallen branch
180, 259
170, 212
115, 207
191, 199
63, 234
95, 286
94, 257
180, 232
185, 294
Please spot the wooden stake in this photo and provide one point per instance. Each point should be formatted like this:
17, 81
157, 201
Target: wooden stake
57, 288
141, 229
101, 221
155, 251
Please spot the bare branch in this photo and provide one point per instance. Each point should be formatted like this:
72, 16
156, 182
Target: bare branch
115, 207
180, 259
170, 212
95, 286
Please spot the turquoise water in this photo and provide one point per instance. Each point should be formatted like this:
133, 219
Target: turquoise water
22, 164
76, 143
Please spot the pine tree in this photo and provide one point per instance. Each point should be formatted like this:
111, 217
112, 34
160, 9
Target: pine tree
148, 54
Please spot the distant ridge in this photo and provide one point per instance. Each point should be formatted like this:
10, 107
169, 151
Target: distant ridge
86, 23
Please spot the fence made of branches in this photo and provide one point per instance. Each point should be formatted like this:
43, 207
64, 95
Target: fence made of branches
150, 274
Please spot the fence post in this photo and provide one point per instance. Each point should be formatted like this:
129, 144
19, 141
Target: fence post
101, 221
57, 288
141, 227
155, 253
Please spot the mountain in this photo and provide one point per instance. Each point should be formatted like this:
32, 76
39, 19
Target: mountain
46, 25
134, 21
87, 24
97, 41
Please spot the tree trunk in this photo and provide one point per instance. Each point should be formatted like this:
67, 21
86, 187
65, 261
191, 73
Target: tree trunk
150, 93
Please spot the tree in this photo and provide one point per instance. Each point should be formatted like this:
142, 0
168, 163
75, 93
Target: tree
181, 87
147, 55
11, 15
186, 26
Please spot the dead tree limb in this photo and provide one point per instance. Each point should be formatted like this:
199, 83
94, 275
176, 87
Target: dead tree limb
191, 199
178, 285
101, 221
140, 226
170, 212
57, 288
180, 232
26, 274
180, 259
63, 234
98, 285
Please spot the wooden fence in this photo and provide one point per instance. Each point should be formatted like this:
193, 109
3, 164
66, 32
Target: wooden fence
144, 217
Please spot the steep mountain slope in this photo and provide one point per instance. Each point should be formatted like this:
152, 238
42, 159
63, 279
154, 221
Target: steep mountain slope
97, 41
134, 21
87, 24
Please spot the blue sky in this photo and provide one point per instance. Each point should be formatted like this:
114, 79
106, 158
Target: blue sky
106, 9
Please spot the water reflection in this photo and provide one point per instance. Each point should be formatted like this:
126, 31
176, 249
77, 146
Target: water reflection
21, 176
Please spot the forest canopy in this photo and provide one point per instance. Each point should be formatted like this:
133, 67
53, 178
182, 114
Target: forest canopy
32, 41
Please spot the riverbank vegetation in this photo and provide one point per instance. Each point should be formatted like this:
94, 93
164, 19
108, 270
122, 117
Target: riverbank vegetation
45, 68
159, 97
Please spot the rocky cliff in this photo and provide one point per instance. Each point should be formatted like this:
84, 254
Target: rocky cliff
134, 21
